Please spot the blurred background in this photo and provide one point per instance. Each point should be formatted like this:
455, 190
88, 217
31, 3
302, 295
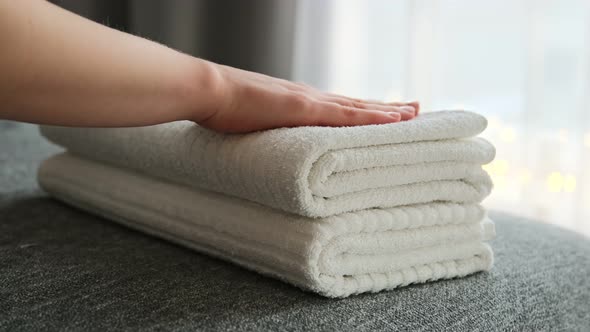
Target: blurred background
525, 64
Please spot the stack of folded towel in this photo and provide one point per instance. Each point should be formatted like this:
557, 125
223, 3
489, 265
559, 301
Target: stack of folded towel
339, 211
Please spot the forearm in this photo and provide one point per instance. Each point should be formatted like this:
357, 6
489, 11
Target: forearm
59, 68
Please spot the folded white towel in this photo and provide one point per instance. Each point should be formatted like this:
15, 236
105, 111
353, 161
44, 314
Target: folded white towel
351, 253
311, 171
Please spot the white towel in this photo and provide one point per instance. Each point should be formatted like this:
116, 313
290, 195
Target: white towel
311, 171
351, 253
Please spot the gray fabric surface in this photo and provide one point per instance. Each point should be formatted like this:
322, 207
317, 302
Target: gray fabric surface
61, 268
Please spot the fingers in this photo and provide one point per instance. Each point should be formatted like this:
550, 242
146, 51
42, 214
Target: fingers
336, 115
334, 95
407, 112
416, 106
395, 103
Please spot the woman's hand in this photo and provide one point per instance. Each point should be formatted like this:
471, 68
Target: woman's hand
61, 69
248, 101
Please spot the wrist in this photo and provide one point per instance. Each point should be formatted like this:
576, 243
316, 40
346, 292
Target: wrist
201, 90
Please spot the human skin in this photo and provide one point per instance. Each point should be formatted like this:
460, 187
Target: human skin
61, 69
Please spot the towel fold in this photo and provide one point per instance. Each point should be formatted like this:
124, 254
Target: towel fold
349, 253
310, 171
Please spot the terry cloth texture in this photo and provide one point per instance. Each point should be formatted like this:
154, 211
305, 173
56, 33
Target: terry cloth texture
351, 253
310, 171
68, 270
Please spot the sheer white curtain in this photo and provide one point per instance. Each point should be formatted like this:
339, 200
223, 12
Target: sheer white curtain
524, 64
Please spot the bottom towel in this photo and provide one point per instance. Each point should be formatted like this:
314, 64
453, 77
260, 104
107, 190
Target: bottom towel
351, 253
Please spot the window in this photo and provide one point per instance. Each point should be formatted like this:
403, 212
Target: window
523, 64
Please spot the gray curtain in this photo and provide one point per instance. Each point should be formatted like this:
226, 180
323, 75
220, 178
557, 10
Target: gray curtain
255, 35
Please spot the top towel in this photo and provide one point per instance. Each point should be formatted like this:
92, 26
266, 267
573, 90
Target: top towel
311, 171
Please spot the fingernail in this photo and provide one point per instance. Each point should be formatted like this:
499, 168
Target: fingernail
396, 116
410, 109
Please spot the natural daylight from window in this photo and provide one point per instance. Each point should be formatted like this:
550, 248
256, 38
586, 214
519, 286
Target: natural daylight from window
524, 64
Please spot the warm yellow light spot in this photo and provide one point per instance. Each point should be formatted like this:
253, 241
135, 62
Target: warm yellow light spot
525, 176
498, 167
587, 140
555, 182
508, 135
499, 182
563, 135
569, 183
501, 167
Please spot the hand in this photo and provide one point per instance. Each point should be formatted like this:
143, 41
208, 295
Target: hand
248, 101
60, 69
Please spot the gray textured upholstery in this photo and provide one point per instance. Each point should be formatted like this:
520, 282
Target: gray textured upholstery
61, 268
